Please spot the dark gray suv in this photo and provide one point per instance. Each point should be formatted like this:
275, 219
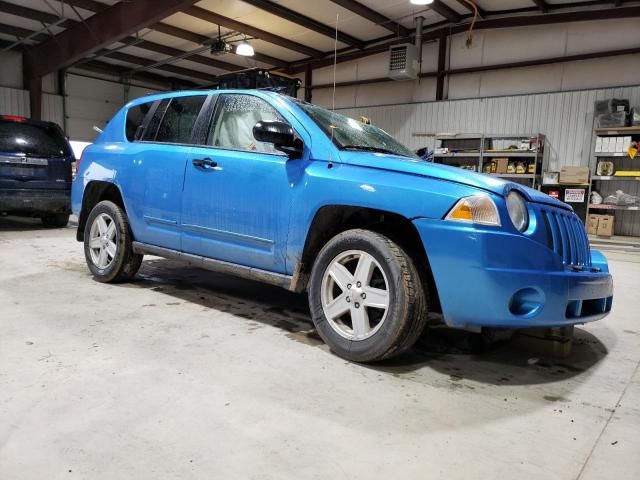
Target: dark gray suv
35, 170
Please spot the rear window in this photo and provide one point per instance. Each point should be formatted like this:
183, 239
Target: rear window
151, 130
135, 117
33, 139
179, 119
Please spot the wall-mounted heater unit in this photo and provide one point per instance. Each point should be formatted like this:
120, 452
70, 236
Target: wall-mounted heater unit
403, 62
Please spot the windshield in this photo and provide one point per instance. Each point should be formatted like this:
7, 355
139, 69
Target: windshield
44, 139
350, 134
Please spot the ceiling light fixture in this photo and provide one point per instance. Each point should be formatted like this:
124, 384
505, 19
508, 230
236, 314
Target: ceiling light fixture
245, 49
421, 2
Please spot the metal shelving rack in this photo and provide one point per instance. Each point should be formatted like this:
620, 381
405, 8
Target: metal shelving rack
480, 148
608, 184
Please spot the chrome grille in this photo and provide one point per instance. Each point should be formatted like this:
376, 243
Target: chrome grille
567, 237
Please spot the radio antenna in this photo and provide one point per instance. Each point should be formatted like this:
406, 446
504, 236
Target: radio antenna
335, 63
333, 99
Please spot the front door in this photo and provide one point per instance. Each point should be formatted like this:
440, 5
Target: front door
237, 196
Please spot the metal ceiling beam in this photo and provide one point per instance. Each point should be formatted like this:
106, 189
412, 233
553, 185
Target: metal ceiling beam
189, 35
176, 52
23, 32
541, 4
24, 12
99, 31
118, 70
373, 16
553, 18
143, 44
145, 62
304, 21
19, 32
481, 12
445, 11
231, 24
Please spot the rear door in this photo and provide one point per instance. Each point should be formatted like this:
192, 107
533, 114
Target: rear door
158, 156
33, 155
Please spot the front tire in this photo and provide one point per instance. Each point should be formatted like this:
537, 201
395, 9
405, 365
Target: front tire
108, 246
366, 297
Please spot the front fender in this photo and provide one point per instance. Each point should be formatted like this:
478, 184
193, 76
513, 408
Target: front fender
320, 184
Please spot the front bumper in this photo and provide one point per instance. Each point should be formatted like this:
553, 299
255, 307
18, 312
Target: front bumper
33, 201
486, 277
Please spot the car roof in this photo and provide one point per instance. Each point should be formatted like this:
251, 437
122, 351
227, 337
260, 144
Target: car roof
186, 93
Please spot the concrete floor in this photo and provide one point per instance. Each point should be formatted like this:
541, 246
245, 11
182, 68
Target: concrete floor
187, 374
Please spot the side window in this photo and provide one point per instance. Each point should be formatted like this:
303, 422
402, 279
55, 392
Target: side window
179, 118
150, 132
233, 123
135, 117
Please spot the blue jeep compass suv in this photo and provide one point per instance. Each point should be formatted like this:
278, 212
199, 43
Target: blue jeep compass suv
281, 191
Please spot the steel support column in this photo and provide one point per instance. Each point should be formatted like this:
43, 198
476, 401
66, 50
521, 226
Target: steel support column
442, 63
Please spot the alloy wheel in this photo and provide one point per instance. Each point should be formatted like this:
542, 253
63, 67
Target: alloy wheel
103, 241
355, 295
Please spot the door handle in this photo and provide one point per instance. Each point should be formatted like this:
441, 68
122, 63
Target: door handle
204, 162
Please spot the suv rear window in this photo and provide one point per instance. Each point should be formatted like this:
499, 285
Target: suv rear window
135, 117
179, 119
38, 139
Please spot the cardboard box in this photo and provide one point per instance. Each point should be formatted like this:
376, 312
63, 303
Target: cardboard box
626, 143
612, 145
605, 225
574, 175
605, 145
592, 224
501, 165
619, 144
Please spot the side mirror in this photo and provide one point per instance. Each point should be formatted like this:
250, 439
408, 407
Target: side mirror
281, 135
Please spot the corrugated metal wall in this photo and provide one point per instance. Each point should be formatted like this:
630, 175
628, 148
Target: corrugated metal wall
89, 102
565, 118
16, 102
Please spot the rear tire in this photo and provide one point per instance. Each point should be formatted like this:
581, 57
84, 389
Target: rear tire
366, 297
55, 220
108, 246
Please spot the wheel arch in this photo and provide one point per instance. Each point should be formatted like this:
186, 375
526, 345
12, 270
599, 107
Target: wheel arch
94, 192
331, 220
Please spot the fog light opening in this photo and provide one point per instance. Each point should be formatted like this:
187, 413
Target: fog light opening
526, 302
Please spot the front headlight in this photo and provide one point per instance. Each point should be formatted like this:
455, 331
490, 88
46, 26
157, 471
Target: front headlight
478, 209
518, 213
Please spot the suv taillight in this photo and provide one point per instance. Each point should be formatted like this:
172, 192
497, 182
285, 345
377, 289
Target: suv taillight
13, 118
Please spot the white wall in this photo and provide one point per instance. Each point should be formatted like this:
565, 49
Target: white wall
90, 102
11, 73
16, 102
491, 47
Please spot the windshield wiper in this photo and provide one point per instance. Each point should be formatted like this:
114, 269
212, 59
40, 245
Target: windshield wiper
366, 148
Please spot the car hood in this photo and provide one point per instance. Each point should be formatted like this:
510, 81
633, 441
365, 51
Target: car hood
411, 166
